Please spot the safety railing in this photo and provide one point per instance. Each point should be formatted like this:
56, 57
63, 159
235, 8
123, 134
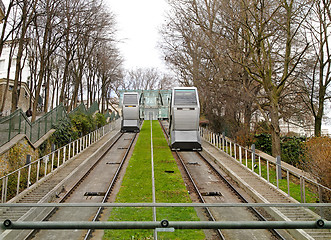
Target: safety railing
93, 108
296, 185
79, 108
15, 182
166, 225
17, 122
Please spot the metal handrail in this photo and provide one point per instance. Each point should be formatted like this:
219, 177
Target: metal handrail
72, 149
164, 224
216, 139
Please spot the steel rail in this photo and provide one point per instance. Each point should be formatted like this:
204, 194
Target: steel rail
73, 188
111, 185
240, 196
202, 200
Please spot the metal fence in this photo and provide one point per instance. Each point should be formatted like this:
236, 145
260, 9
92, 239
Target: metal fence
80, 108
18, 123
15, 182
293, 183
93, 109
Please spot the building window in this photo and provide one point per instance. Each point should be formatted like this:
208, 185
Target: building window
2, 65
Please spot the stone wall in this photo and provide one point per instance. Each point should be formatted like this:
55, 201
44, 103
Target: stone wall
15, 157
24, 98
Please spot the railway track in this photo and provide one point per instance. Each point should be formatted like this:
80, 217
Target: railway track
66, 186
262, 191
192, 163
98, 178
259, 190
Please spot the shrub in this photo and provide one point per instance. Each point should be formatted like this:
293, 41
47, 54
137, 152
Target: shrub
292, 149
244, 137
263, 143
64, 133
317, 160
100, 120
82, 123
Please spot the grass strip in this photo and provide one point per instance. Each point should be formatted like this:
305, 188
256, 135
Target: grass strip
171, 188
137, 187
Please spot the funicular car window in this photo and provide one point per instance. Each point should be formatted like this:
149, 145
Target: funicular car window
130, 99
185, 97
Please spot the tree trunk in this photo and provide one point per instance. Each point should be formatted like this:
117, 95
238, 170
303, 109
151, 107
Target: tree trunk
7, 82
19, 56
320, 111
275, 130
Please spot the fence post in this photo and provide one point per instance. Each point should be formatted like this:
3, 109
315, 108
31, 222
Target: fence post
58, 157
38, 167
10, 126
73, 149
240, 154
301, 193
52, 168
29, 175
260, 169
64, 154
253, 156
69, 151
18, 182
38, 130
304, 189
19, 124
268, 170
246, 157
46, 123
288, 182
320, 199
279, 167
4, 189
46, 164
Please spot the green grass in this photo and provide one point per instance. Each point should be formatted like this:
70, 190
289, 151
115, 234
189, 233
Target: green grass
137, 187
295, 192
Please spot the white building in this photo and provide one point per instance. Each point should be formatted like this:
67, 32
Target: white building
24, 91
4, 61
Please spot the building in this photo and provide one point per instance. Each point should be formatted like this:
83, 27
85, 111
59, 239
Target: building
24, 92
2, 11
24, 99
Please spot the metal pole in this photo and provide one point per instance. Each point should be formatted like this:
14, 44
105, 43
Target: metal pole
319, 224
279, 167
288, 182
240, 154
18, 182
253, 156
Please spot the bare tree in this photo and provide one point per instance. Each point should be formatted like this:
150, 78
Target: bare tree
27, 15
147, 79
240, 54
319, 64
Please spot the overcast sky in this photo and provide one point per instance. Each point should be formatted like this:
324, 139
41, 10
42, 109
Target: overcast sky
138, 23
